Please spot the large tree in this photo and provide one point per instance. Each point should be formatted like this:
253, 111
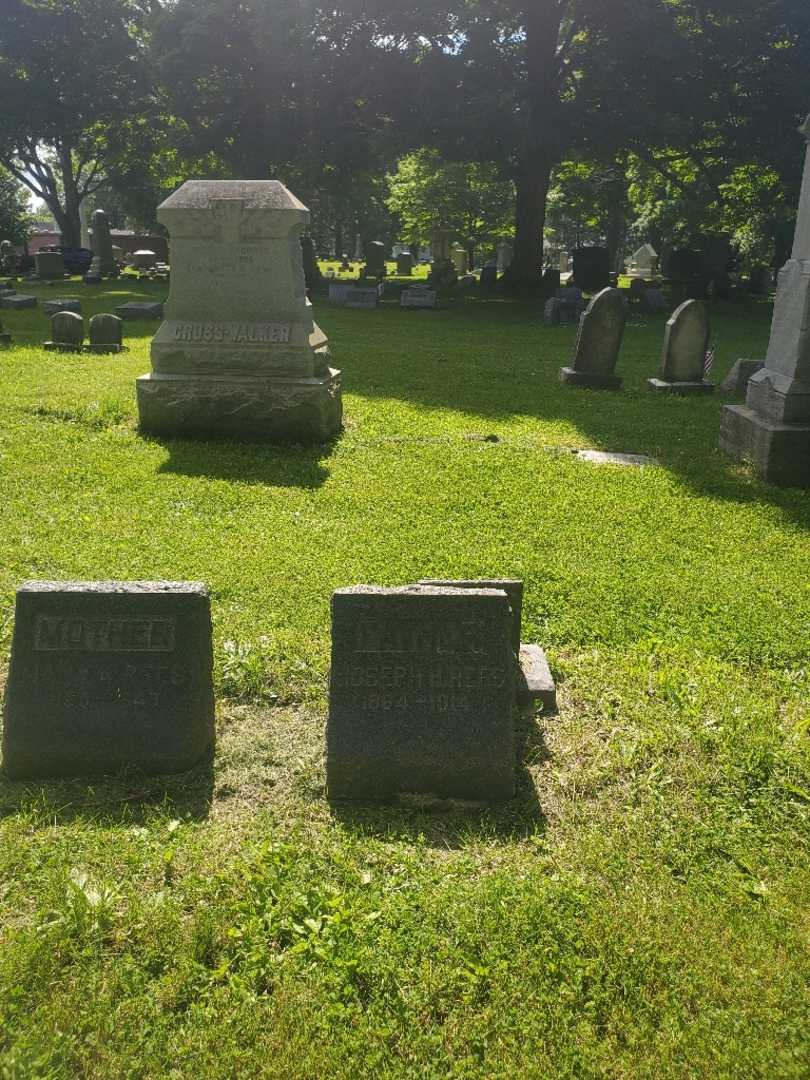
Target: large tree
72, 80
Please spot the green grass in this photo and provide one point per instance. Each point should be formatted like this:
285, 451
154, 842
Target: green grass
639, 910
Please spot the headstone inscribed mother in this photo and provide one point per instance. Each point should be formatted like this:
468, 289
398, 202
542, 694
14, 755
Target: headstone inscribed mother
107, 675
599, 339
238, 354
686, 341
421, 693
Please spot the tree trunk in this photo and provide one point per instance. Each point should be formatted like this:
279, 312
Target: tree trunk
71, 225
541, 140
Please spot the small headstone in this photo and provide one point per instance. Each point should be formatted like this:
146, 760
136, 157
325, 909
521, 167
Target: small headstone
140, 309
421, 693
375, 259
362, 297
108, 675
736, 381
418, 296
686, 342
458, 253
103, 260
551, 312
601, 329
312, 271
654, 300
144, 259
49, 265
17, 300
404, 264
106, 334
67, 332
50, 307
572, 303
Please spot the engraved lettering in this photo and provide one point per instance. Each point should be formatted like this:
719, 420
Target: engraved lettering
78, 634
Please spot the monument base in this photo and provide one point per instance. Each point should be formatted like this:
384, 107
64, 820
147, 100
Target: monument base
683, 389
779, 453
261, 409
588, 379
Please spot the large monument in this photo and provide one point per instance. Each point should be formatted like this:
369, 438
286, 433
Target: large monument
772, 429
238, 353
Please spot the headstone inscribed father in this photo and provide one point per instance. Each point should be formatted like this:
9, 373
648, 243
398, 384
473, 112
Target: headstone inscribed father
238, 354
106, 675
421, 693
599, 339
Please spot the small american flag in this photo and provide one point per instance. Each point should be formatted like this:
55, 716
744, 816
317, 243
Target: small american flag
708, 360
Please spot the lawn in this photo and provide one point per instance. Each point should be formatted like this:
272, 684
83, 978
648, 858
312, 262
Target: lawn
639, 910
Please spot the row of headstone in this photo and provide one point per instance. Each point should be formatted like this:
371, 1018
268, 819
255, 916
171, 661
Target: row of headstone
424, 682
684, 356
67, 333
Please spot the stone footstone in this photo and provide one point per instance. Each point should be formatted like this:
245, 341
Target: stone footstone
535, 681
238, 354
137, 309
51, 307
737, 379
18, 300
779, 453
421, 694
108, 675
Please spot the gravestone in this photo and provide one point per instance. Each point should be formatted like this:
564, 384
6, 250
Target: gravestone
505, 253
108, 675
458, 254
772, 429
50, 265
17, 300
144, 259
338, 291
736, 381
686, 341
599, 339
440, 246
103, 261
5, 338
312, 272
68, 303
421, 693
140, 309
364, 297
106, 334
564, 263
489, 278
551, 281
418, 296
239, 354
551, 312
404, 264
375, 259
67, 332
591, 268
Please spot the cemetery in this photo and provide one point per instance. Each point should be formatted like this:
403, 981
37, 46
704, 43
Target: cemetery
404, 654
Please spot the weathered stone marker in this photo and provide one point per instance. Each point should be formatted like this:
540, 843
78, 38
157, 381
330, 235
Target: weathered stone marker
106, 675
140, 309
772, 429
239, 354
65, 303
5, 338
103, 260
684, 354
106, 334
599, 339
67, 332
404, 264
418, 296
421, 693
49, 265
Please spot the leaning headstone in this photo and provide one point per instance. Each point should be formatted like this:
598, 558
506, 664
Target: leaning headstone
683, 358
772, 429
737, 379
67, 303
17, 300
106, 334
67, 332
238, 354
50, 265
418, 296
108, 675
103, 261
599, 339
404, 264
421, 694
140, 309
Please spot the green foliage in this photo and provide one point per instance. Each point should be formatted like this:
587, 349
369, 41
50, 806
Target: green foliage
473, 199
14, 215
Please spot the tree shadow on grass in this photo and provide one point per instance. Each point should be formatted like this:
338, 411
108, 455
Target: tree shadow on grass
445, 823
127, 798
275, 465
